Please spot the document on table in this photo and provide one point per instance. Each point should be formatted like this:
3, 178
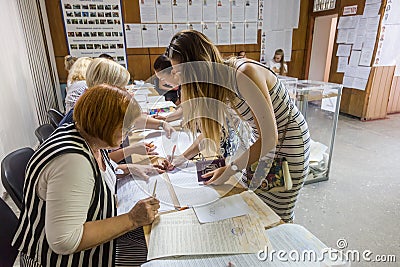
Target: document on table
180, 233
224, 208
181, 139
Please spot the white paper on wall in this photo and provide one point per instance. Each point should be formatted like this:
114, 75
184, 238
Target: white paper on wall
341, 36
348, 22
366, 56
179, 11
355, 58
351, 36
164, 11
177, 27
133, 35
358, 42
371, 10
388, 50
195, 26
223, 33
392, 13
195, 10
287, 46
342, 64
223, 11
210, 30
150, 35
237, 7
148, 11
251, 10
210, 10
165, 33
237, 33
343, 50
250, 32
360, 84
94, 28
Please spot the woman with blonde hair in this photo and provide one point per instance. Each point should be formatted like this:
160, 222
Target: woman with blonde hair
76, 82
69, 212
223, 99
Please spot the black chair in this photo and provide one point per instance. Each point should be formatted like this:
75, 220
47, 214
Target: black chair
44, 131
13, 173
55, 117
9, 224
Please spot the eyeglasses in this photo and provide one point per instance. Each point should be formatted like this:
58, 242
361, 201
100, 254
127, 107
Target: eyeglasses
170, 50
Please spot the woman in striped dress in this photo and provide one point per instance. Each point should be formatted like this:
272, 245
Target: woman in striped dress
215, 90
69, 213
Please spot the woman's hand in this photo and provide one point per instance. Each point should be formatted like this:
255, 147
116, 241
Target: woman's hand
141, 171
176, 162
159, 117
141, 149
218, 176
168, 129
144, 212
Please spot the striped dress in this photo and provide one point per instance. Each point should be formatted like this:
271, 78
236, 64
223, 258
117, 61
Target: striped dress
30, 237
295, 147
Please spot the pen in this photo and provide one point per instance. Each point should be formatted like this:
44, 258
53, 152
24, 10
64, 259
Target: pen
182, 208
150, 144
173, 152
154, 190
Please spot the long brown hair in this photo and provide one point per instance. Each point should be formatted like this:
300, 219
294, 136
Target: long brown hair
279, 52
205, 77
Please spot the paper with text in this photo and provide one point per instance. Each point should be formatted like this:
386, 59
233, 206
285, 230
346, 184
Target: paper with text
180, 233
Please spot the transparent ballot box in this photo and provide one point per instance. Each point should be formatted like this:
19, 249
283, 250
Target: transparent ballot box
291, 85
319, 103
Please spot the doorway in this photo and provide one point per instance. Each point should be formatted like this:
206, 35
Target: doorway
322, 47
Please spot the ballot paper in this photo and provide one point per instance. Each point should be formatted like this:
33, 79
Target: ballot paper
180, 233
165, 145
224, 208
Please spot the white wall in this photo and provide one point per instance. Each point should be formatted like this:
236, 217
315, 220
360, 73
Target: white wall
18, 118
321, 47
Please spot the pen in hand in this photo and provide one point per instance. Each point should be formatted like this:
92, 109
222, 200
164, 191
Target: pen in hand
154, 190
173, 152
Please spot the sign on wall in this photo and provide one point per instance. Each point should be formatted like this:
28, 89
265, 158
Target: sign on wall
94, 27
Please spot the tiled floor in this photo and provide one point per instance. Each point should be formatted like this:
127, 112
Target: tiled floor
361, 200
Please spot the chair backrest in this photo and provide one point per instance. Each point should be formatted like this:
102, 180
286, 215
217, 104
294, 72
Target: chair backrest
44, 131
55, 116
9, 224
13, 173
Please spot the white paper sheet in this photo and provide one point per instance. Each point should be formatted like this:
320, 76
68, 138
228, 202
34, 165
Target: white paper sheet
147, 11
341, 36
250, 32
351, 36
348, 22
133, 35
179, 11
342, 64
210, 10
231, 236
392, 13
348, 81
358, 43
179, 27
355, 58
195, 11
329, 103
343, 50
164, 11
223, 11
223, 33
182, 140
210, 30
317, 151
360, 84
195, 26
165, 33
237, 10
251, 10
389, 40
366, 56
371, 10
237, 33
149, 35
224, 208
397, 69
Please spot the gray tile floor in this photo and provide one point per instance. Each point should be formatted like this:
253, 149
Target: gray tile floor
361, 201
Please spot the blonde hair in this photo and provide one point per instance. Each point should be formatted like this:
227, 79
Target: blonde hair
279, 52
104, 109
69, 61
78, 69
208, 77
103, 70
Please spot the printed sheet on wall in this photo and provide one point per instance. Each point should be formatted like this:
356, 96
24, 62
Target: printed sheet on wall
94, 27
